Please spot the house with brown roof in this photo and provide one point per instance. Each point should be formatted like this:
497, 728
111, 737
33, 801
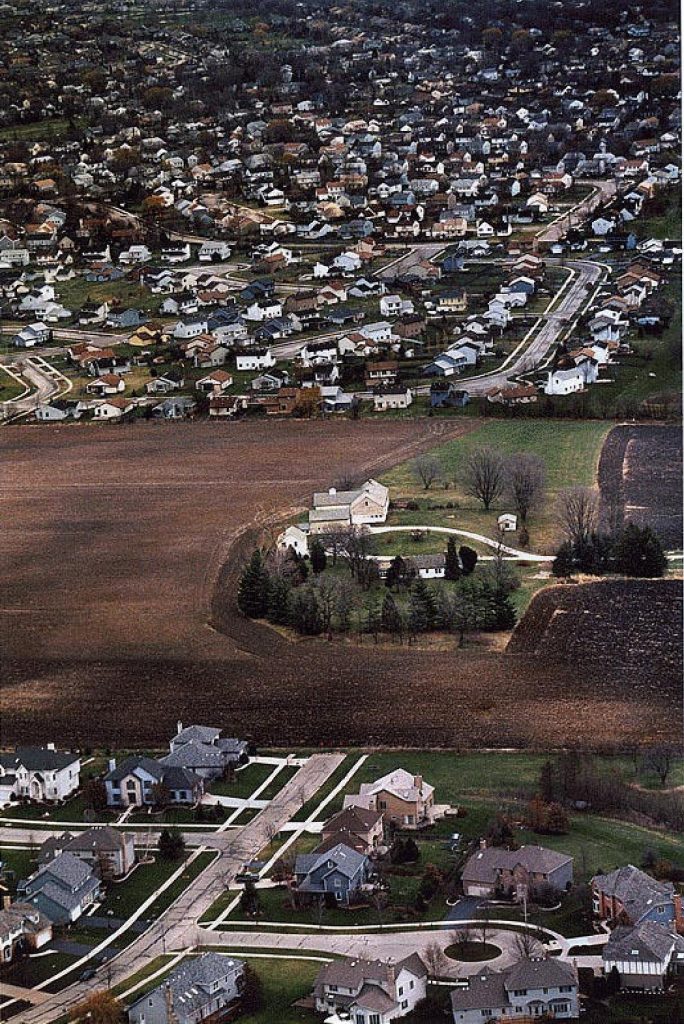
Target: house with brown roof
371, 990
403, 799
358, 827
493, 870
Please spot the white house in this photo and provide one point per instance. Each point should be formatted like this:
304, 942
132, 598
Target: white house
368, 991
34, 334
564, 382
255, 359
264, 309
39, 773
212, 250
507, 522
295, 537
135, 254
377, 332
394, 305
533, 988
392, 397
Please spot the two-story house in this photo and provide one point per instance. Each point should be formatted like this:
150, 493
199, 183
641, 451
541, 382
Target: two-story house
39, 773
63, 889
137, 781
22, 927
630, 896
644, 956
107, 852
528, 989
494, 870
203, 988
371, 991
403, 799
339, 872
361, 829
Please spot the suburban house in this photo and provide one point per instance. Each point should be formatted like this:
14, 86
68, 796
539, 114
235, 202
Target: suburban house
22, 927
340, 872
371, 991
214, 383
255, 359
138, 780
203, 988
403, 799
38, 773
201, 750
630, 896
361, 829
644, 956
62, 889
428, 567
494, 871
335, 509
107, 852
32, 335
533, 988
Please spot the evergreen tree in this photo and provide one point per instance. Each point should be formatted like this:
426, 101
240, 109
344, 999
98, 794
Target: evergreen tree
639, 553
547, 782
306, 613
390, 616
279, 601
468, 558
171, 844
398, 573
557, 820
422, 603
504, 612
564, 562
253, 589
452, 569
249, 899
318, 557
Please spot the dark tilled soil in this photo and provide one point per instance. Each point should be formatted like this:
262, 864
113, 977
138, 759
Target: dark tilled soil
640, 476
120, 554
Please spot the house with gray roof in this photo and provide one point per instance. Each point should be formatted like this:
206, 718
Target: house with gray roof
22, 926
39, 773
202, 750
340, 871
207, 987
493, 871
529, 989
644, 955
108, 852
63, 889
630, 896
371, 990
136, 779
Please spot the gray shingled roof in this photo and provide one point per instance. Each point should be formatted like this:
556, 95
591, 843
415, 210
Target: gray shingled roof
648, 941
484, 865
636, 891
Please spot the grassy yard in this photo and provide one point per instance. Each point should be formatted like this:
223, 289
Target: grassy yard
570, 451
124, 898
333, 780
245, 781
662, 217
74, 293
21, 862
31, 971
72, 810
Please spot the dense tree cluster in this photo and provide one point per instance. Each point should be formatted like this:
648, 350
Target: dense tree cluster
635, 551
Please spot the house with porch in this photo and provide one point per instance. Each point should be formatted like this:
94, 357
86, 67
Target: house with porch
203, 988
370, 991
138, 780
62, 889
39, 773
644, 956
526, 990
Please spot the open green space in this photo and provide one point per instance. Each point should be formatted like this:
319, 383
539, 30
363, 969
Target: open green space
662, 217
243, 782
570, 451
472, 952
15, 865
123, 293
30, 971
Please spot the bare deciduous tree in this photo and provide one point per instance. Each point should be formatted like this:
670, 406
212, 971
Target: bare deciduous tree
527, 946
427, 469
326, 588
525, 481
577, 512
346, 481
435, 959
358, 544
483, 475
660, 759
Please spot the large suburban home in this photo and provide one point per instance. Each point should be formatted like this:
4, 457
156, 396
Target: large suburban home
203, 988
138, 780
528, 989
495, 871
38, 773
644, 956
403, 799
108, 852
361, 829
202, 750
22, 927
370, 991
33, 334
335, 509
63, 889
630, 896
339, 872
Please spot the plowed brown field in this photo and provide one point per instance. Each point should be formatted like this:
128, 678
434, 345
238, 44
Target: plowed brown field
118, 617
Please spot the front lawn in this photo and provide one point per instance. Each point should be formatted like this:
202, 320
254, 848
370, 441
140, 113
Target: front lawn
244, 782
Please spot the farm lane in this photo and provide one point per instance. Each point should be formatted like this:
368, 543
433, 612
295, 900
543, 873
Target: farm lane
175, 927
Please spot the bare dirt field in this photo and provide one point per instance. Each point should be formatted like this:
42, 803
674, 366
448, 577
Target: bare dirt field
119, 552
640, 475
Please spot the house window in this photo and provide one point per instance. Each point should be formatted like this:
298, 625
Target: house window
374, 1018
401, 991
404, 1004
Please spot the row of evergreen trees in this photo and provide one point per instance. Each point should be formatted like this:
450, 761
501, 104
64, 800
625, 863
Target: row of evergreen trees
635, 552
322, 603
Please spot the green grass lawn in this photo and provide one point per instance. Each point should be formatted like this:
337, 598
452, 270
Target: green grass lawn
72, 810
333, 780
74, 293
570, 451
31, 971
244, 782
21, 862
284, 776
124, 898
662, 217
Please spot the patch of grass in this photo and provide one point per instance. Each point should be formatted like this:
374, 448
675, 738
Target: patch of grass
570, 451
284, 776
245, 781
28, 972
124, 898
21, 862
150, 968
333, 780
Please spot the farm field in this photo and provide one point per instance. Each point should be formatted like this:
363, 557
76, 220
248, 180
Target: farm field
163, 517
